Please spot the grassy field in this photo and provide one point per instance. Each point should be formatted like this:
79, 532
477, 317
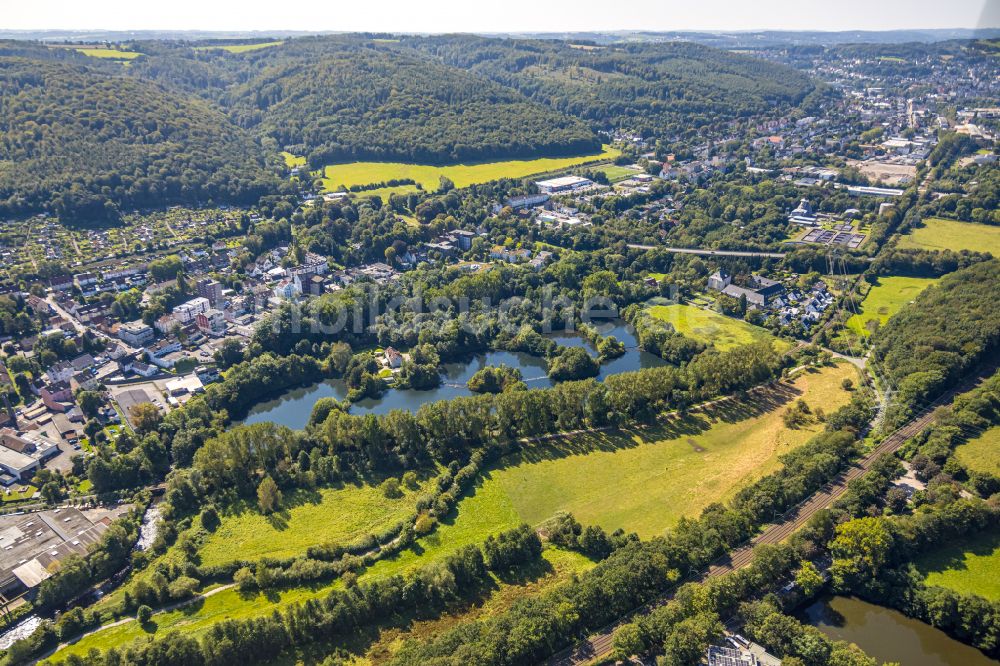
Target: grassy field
463, 175
646, 480
640, 480
942, 234
238, 48
328, 515
110, 54
885, 299
194, 619
969, 565
292, 161
981, 454
711, 327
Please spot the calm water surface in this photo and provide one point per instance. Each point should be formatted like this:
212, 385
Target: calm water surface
293, 408
888, 635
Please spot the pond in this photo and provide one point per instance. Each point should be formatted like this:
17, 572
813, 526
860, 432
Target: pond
888, 635
293, 408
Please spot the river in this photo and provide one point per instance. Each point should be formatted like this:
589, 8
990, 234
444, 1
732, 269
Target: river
888, 635
293, 408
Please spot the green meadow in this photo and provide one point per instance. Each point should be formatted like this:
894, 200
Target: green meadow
238, 48
966, 565
337, 515
230, 604
292, 161
981, 454
885, 299
712, 328
641, 480
939, 233
110, 54
463, 175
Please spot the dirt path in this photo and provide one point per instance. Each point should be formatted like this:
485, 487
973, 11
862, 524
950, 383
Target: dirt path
126, 620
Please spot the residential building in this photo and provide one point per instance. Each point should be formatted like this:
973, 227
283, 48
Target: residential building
393, 359
60, 372
136, 334
186, 312
286, 289
212, 290
719, 280
212, 322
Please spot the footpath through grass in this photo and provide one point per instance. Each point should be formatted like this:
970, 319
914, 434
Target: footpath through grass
712, 328
462, 175
939, 233
967, 565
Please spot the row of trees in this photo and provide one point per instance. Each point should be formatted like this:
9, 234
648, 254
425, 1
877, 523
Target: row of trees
463, 575
873, 556
636, 572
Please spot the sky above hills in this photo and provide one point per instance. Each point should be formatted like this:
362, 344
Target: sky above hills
507, 16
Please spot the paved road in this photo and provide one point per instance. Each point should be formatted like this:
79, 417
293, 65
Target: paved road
599, 645
716, 253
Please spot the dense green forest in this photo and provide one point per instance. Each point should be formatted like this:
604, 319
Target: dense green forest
947, 330
83, 144
635, 86
339, 104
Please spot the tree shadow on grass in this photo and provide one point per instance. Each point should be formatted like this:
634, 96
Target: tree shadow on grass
682, 427
470, 600
951, 556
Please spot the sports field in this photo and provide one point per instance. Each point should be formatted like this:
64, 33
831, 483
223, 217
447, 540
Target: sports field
712, 328
886, 299
463, 175
981, 454
942, 234
968, 565
616, 173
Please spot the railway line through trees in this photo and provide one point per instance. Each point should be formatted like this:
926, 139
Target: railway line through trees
600, 644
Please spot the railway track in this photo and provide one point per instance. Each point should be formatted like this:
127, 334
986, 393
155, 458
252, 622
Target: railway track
599, 645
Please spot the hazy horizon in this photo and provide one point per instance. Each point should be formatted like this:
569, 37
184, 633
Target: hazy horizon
442, 16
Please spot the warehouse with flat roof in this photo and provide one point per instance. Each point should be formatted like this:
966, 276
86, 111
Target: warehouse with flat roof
562, 184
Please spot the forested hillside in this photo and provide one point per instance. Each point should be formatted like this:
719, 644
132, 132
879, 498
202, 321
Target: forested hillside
85, 137
940, 336
633, 86
83, 144
377, 104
